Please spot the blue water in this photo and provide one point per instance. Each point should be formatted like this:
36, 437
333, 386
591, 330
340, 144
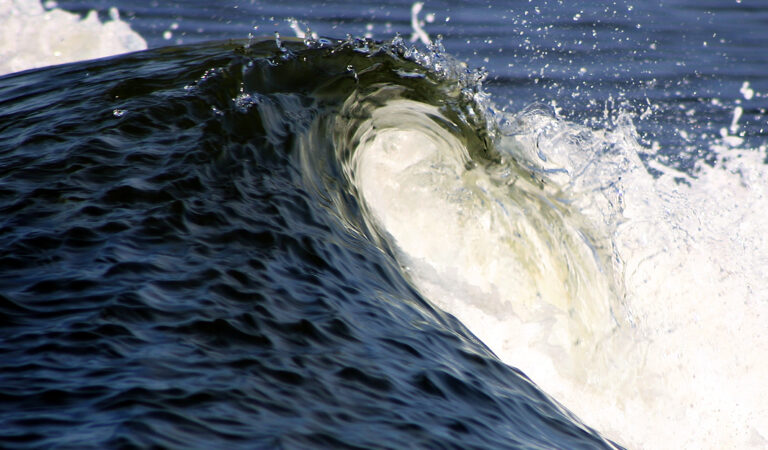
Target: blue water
176, 276
675, 55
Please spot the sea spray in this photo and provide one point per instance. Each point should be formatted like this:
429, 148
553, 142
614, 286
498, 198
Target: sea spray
696, 301
572, 262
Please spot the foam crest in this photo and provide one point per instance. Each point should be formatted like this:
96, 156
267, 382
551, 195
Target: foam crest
694, 256
690, 254
31, 36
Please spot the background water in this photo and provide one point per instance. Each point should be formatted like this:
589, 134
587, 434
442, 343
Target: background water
161, 329
679, 55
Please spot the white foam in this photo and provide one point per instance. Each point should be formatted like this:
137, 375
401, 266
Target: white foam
694, 259
640, 303
31, 36
692, 254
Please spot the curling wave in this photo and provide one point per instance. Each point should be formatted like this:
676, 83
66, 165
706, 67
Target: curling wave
187, 260
258, 242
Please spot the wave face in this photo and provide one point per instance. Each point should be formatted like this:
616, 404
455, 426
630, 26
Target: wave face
197, 250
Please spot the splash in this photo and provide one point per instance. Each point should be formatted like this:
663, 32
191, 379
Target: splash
418, 25
33, 36
689, 252
637, 301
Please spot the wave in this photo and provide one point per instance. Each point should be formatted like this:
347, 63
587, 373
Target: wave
553, 242
318, 197
186, 261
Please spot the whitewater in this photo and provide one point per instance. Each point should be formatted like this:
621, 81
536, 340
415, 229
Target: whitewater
633, 292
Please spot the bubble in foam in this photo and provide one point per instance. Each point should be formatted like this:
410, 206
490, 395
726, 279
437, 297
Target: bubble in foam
31, 36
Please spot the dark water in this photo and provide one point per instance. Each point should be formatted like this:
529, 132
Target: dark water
685, 59
183, 263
